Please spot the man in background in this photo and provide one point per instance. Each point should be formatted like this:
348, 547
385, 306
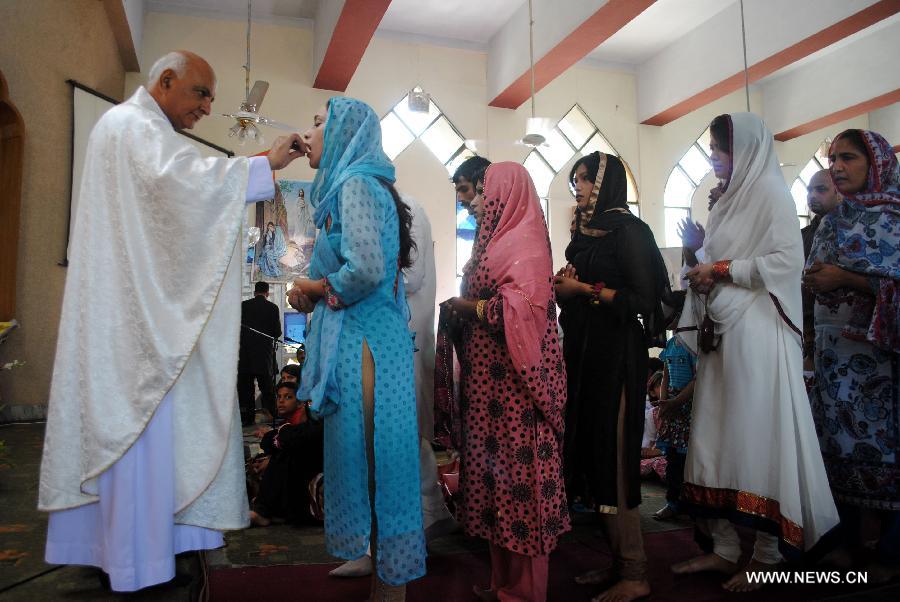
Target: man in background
260, 324
822, 198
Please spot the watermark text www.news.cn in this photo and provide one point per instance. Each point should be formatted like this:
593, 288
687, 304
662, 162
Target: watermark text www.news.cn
809, 577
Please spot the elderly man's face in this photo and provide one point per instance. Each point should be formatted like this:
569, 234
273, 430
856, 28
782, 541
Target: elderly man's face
185, 100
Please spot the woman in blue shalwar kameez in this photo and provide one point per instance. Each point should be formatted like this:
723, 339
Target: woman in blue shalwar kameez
359, 367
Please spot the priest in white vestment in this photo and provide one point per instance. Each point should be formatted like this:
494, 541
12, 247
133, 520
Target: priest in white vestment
143, 457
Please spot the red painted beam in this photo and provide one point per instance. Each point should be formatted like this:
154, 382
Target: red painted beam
822, 39
595, 30
858, 109
351, 36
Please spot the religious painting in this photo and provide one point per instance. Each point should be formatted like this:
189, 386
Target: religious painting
287, 233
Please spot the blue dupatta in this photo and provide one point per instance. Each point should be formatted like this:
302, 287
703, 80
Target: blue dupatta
351, 147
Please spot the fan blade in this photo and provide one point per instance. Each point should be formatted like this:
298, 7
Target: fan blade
258, 93
277, 125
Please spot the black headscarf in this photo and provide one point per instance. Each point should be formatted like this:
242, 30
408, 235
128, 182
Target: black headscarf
606, 211
607, 207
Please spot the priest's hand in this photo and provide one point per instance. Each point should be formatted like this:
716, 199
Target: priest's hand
285, 149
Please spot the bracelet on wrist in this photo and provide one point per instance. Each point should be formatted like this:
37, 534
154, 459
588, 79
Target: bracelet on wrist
596, 289
721, 270
479, 309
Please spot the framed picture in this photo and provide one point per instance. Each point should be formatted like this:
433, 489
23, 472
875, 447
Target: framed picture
287, 233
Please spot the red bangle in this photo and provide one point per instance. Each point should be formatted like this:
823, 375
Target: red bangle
595, 292
331, 297
722, 270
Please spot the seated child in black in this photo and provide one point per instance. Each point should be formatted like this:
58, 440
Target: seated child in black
294, 450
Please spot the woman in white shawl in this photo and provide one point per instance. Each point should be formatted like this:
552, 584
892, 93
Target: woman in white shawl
754, 457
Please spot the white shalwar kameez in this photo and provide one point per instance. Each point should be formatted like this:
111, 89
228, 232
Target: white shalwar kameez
753, 455
143, 457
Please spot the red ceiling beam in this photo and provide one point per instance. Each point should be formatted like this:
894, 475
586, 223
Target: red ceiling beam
822, 39
595, 30
868, 106
351, 36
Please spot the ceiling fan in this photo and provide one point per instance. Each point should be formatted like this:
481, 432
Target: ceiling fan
247, 118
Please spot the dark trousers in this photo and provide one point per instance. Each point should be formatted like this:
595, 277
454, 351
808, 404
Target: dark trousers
246, 398
674, 476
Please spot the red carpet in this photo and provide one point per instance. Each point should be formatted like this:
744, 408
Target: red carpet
450, 578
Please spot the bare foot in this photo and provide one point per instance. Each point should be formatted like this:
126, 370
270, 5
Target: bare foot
258, 520
595, 577
707, 562
741, 582
625, 591
361, 567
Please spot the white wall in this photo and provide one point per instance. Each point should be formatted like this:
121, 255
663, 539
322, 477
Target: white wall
713, 51
886, 122
804, 93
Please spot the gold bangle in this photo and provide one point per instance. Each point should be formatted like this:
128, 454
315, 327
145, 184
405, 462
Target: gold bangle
479, 310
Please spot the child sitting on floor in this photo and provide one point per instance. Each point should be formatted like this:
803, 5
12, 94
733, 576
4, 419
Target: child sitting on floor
294, 451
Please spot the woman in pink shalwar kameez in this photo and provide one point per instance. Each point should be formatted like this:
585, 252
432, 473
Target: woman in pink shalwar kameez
509, 417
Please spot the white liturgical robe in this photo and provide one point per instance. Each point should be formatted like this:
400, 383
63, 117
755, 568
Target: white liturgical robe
143, 455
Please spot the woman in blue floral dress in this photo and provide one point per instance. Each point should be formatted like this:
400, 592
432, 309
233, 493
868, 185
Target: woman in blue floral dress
854, 270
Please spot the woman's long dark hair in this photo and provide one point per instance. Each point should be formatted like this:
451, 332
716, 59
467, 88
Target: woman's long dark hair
720, 129
404, 217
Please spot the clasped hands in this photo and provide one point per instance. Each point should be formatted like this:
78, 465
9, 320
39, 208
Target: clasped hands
305, 294
824, 277
566, 283
701, 278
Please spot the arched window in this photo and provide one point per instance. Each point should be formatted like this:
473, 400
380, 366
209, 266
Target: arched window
401, 126
398, 130
818, 162
574, 133
681, 185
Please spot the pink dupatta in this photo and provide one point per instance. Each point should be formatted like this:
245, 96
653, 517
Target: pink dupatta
512, 253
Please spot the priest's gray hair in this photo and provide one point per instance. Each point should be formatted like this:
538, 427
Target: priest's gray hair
176, 61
